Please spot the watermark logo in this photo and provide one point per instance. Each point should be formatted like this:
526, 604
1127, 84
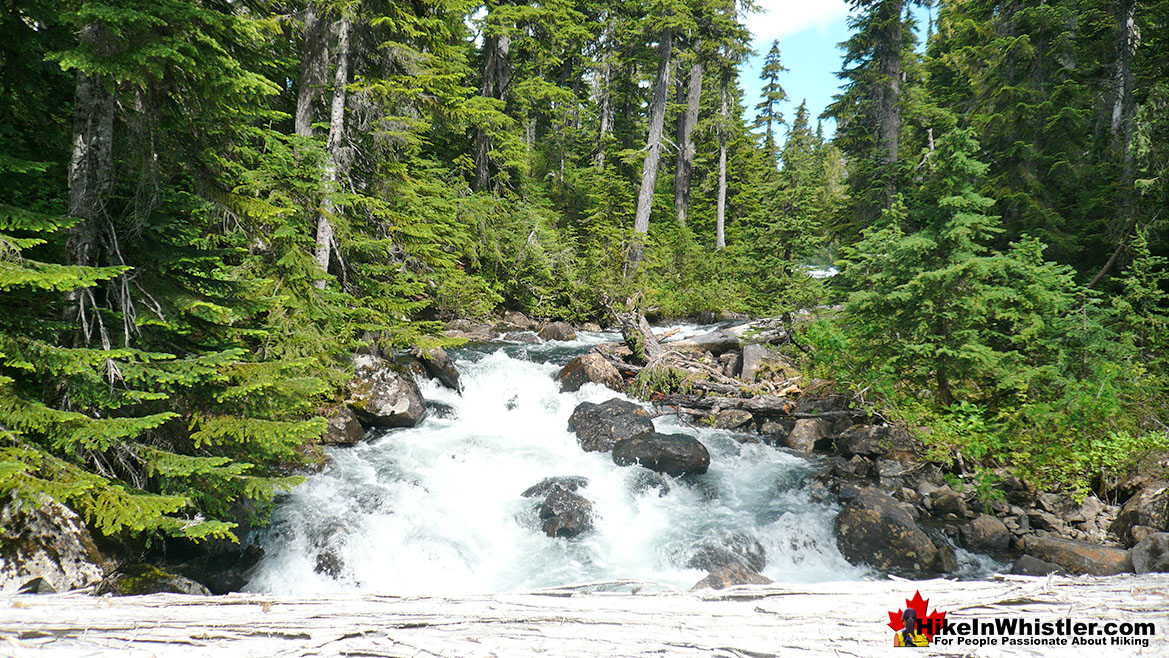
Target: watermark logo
915, 625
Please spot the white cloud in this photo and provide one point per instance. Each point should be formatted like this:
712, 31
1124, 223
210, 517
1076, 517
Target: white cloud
782, 18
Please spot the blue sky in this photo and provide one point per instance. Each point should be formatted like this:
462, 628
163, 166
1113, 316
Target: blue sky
808, 33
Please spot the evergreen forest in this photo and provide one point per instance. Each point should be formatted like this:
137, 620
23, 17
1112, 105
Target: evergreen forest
207, 207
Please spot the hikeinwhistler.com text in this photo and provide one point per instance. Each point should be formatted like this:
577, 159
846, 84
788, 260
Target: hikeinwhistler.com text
1014, 632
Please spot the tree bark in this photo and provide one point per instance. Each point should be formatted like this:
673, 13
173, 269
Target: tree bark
639, 336
720, 236
889, 95
496, 79
313, 64
653, 147
684, 171
325, 234
1123, 109
605, 93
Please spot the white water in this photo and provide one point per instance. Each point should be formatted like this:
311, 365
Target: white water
437, 508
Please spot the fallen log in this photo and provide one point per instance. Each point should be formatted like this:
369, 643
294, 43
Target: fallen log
762, 405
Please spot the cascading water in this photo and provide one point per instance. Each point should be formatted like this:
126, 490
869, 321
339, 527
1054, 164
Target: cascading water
437, 508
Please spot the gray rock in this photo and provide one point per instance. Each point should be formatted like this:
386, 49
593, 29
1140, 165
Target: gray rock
737, 549
591, 368
874, 441
44, 539
599, 427
546, 486
471, 331
1079, 557
566, 514
730, 576
947, 501
985, 534
753, 357
672, 454
1151, 554
715, 342
1148, 507
731, 419
1029, 565
807, 432
561, 331
384, 394
518, 320
874, 529
138, 579
343, 428
591, 327
439, 366
528, 337
1045, 521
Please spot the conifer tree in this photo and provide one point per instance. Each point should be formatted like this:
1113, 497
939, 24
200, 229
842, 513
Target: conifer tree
767, 113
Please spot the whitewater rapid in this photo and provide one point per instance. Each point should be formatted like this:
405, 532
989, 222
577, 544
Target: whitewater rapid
437, 508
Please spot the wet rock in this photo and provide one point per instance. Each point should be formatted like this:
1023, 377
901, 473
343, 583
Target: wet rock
985, 534
440, 410
566, 514
1079, 557
591, 368
138, 579
599, 427
518, 320
561, 331
343, 428
643, 481
753, 358
439, 366
546, 486
874, 529
1147, 507
591, 327
471, 331
384, 394
807, 432
672, 454
224, 571
730, 576
1151, 554
1029, 565
875, 441
731, 419
329, 564
528, 337
739, 549
775, 431
44, 539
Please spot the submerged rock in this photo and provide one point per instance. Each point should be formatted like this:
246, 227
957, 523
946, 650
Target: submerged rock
874, 529
384, 394
729, 576
566, 514
672, 454
599, 427
138, 579
546, 486
42, 540
561, 331
737, 550
589, 368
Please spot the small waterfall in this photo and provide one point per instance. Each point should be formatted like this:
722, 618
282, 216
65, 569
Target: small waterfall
437, 508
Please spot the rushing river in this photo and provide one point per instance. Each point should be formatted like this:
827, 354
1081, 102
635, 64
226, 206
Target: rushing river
437, 508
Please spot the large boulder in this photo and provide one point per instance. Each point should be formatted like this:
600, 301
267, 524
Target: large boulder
518, 320
475, 332
137, 579
1029, 565
874, 529
729, 576
1079, 557
343, 428
672, 454
753, 357
1147, 507
566, 514
591, 368
599, 427
439, 366
807, 433
985, 534
41, 540
557, 331
383, 394
1151, 554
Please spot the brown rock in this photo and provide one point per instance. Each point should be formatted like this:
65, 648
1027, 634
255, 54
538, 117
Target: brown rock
729, 576
874, 529
586, 369
985, 534
518, 320
731, 419
561, 331
599, 427
1148, 507
1079, 557
343, 429
807, 432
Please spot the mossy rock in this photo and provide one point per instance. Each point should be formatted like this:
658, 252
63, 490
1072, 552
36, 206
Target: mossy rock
139, 579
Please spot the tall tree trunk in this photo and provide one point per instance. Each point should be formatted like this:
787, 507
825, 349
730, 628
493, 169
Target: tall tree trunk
496, 79
720, 235
889, 96
653, 147
325, 234
605, 93
686, 121
91, 175
314, 56
1123, 109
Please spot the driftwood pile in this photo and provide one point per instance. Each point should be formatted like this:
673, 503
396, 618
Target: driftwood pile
826, 619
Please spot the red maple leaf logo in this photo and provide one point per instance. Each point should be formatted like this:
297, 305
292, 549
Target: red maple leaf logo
930, 623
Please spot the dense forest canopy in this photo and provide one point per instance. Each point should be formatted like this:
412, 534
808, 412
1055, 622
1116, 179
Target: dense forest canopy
207, 206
